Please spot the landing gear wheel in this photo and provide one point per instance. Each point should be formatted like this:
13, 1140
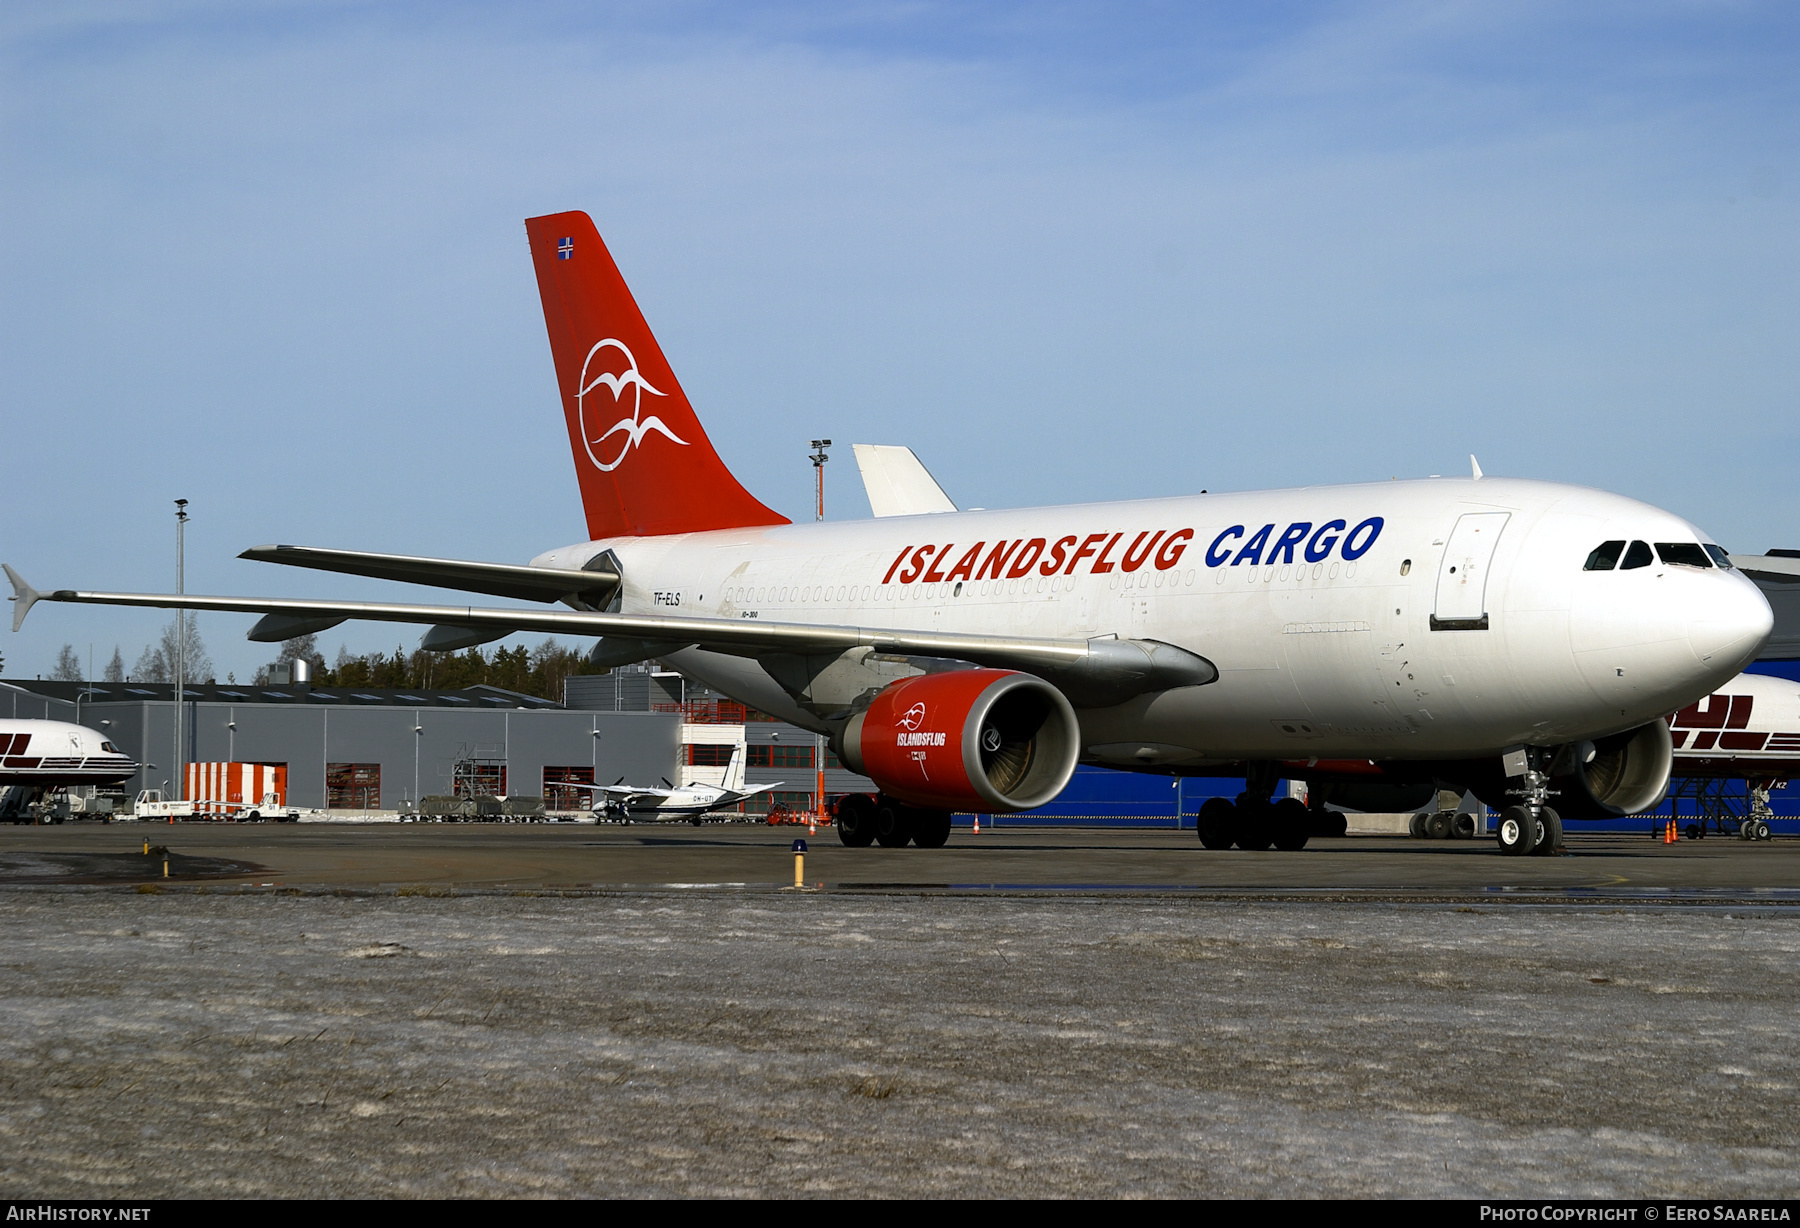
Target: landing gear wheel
1415, 827
1289, 824
856, 821
1327, 823
1254, 831
1437, 826
1216, 824
1550, 833
893, 824
930, 828
1517, 831
1462, 827
1762, 830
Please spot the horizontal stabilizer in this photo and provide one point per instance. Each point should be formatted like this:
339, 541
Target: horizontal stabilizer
591, 588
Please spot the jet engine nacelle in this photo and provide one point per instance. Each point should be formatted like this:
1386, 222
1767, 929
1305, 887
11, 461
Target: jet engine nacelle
981, 740
1624, 774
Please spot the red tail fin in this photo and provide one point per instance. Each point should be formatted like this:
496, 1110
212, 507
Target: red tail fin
645, 465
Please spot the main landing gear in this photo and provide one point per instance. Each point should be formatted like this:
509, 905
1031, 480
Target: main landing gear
1255, 821
863, 820
1531, 828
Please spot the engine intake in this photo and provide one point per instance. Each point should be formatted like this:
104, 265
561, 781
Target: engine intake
1624, 774
984, 740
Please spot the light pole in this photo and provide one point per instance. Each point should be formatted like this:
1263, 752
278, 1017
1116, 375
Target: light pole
818, 459
82, 694
181, 519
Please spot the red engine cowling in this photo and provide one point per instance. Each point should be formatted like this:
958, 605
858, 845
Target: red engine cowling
983, 740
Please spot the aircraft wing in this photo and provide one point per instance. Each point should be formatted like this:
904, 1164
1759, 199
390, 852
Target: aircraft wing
616, 792
591, 588
1092, 672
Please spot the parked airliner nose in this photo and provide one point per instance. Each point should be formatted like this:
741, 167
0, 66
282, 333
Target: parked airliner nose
1729, 626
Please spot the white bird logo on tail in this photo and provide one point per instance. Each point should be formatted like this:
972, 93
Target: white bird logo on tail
633, 428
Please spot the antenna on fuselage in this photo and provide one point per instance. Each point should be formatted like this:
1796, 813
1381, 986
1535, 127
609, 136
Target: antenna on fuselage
1474, 467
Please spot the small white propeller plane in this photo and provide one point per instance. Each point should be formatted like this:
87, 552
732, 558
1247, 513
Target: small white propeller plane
692, 802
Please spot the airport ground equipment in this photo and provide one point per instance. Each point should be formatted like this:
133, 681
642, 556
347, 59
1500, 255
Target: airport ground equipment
236, 792
153, 805
1723, 807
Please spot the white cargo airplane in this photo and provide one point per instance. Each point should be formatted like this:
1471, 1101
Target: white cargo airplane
38, 755
692, 801
1749, 729
1523, 639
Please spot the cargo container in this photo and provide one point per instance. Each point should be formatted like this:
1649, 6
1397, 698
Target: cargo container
238, 790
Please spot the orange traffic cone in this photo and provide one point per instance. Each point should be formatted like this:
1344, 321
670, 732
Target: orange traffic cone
978, 825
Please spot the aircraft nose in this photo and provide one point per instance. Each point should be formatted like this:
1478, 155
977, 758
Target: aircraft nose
1729, 628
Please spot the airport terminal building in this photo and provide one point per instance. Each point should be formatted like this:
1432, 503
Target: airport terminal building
352, 748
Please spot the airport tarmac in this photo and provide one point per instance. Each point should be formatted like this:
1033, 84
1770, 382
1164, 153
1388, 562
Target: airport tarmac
746, 857
469, 1011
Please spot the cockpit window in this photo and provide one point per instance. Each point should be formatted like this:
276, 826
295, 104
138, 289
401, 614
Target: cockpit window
1683, 554
1719, 556
1605, 557
109, 748
1638, 556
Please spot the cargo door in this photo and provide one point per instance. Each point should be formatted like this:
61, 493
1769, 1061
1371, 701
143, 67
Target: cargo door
1463, 572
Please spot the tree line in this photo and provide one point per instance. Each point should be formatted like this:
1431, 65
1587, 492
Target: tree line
536, 670
155, 664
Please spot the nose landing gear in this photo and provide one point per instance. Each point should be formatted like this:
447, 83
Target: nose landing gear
1532, 828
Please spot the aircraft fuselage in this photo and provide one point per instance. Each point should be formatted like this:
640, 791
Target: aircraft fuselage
1442, 618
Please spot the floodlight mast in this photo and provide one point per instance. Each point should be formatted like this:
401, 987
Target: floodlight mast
181, 519
818, 459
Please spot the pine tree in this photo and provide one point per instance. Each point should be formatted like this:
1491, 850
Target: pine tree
157, 663
68, 665
115, 668
303, 646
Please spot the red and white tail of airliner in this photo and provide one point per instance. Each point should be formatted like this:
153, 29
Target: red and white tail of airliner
1524, 639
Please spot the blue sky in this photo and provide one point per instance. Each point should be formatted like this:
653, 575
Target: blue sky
269, 258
